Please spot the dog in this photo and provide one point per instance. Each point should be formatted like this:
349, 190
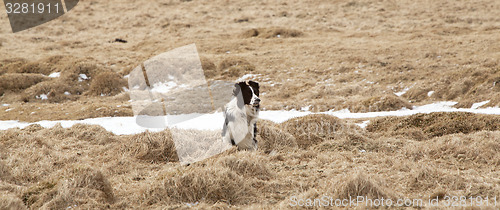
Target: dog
240, 116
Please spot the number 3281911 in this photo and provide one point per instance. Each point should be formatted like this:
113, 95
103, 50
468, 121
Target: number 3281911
33, 8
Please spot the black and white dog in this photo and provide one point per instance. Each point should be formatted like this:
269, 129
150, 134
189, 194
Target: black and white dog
241, 113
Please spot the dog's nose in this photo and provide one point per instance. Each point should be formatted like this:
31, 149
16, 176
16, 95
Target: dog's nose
257, 100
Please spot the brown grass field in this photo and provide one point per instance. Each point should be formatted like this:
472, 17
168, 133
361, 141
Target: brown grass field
334, 54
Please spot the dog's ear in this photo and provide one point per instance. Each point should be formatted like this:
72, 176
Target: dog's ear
236, 89
253, 84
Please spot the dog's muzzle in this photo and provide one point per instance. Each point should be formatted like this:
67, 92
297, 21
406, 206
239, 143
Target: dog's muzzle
256, 103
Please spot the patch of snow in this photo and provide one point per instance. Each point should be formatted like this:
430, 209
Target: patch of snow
42, 96
5, 104
430, 93
55, 74
214, 121
8, 110
164, 87
67, 93
246, 77
480, 104
126, 76
82, 77
306, 108
400, 93
363, 124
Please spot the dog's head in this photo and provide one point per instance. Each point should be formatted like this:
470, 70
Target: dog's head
249, 91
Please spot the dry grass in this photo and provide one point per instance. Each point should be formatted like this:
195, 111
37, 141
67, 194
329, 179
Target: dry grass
272, 138
234, 67
107, 84
15, 82
423, 126
271, 33
360, 185
87, 167
9, 201
314, 129
378, 104
153, 147
331, 55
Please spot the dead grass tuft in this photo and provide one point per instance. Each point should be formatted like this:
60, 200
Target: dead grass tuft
4, 172
17, 82
84, 188
11, 65
247, 164
36, 67
272, 138
207, 184
209, 68
10, 201
153, 147
379, 103
73, 70
54, 90
106, 83
271, 33
435, 124
361, 185
94, 134
235, 67
313, 129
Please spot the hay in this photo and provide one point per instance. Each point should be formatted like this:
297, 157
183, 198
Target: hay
272, 138
11, 65
435, 124
4, 172
378, 104
10, 201
153, 147
17, 82
209, 68
107, 84
84, 188
313, 129
55, 91
74, 69
94, 134
271, 33
235, 67
360, 185
206, 184
247, 164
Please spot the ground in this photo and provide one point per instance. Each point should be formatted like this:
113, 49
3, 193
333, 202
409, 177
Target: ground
323, 54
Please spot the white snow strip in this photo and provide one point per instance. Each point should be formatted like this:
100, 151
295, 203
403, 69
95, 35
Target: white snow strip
5, 104
480, 104
55, 74
214, 121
